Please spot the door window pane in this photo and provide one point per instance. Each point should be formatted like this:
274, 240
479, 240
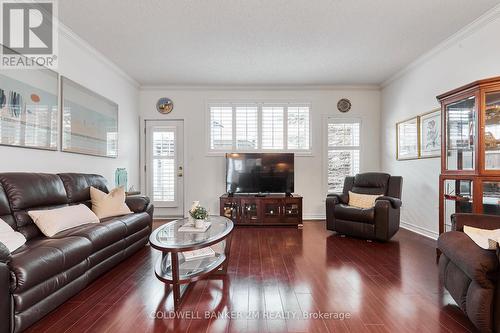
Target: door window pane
163, 173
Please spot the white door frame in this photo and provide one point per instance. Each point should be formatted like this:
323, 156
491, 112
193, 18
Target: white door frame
143, 162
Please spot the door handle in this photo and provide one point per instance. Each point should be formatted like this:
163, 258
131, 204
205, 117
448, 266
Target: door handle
180, 172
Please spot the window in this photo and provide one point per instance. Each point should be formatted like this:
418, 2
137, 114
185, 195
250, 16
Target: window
246, 127
221, 127
343, 151
272, 127
298, 127
259, 127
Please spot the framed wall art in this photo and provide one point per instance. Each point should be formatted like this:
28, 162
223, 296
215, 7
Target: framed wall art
407, 134
29, 108
89, 121
430, 134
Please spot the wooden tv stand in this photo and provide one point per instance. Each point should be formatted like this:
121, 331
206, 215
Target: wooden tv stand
272, 209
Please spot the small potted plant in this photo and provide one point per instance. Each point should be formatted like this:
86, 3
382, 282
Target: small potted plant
198, 214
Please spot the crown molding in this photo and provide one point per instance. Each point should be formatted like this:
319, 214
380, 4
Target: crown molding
488, 17
260, 87
66, 31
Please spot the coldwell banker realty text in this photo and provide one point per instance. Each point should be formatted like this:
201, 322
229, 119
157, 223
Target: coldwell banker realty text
28, 34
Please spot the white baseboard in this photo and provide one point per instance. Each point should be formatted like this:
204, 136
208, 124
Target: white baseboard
419, 230
314, 217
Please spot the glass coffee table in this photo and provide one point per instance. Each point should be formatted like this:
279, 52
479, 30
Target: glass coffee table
172, 267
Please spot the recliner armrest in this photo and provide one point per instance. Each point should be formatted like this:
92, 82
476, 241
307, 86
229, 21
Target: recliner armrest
474, 220
4, 253
341, 197
137, 203
395, 202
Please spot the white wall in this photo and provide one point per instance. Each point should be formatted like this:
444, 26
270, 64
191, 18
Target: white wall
470, 55
204, 175
83, 65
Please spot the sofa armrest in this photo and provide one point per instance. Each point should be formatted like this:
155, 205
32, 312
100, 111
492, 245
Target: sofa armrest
4, 254
474, 220
5, 306
340, 197
395, 202
137, 203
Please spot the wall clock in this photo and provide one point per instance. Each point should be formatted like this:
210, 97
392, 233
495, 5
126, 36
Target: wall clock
164, 105
344, 105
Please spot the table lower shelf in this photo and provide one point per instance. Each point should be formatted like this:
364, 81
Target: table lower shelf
188, 270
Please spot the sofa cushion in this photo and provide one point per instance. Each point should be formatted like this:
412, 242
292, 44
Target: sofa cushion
10, 238
371, 183
52, 221
480, 265
133, 222
100, 235
348, 213
40, 259
109, 204
78, 185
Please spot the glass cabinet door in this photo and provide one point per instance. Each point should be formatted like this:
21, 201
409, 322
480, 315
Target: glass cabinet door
461, 134
491, 198
458, 198
492, 131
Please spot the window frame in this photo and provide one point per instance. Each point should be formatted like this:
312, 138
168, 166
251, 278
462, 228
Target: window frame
259, 105
326, 148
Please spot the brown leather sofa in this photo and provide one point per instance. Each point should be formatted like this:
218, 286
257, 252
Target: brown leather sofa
470, 273
45, 272
380, 222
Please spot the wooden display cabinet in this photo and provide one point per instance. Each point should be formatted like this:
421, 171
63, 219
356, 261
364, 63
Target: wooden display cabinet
273, 209
470, 151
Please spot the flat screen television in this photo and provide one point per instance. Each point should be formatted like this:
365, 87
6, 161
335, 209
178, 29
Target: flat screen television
259, 173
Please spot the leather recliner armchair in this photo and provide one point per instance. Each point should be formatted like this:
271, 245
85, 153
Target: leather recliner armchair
380, 222
470, 273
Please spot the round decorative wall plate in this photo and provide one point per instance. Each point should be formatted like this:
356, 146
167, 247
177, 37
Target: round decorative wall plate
344, 105
164, 105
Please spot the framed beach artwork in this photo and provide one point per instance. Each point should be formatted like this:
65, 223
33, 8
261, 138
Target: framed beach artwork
407, 139
89, 121
29, 108
430, 134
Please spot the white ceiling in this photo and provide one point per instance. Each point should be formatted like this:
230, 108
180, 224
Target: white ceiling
266, 42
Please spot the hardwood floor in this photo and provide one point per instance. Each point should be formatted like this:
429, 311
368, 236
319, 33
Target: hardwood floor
274, 276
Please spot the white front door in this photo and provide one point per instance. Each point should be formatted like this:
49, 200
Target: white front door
165, 166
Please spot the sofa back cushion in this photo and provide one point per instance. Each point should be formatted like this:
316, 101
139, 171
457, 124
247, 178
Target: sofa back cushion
77, 186
27, 191
5, 213
370, 183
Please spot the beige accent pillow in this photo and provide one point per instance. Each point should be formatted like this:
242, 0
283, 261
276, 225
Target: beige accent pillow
10, 238
108, 205
362, 200
52, 221
486, 239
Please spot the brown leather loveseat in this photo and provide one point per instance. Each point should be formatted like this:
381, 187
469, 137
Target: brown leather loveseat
470, 273
45, 272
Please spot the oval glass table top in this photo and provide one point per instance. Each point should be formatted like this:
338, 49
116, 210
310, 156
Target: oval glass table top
169, 238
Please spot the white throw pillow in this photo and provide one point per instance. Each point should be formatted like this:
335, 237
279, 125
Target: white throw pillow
108, 205
10, 238
486, 239
362, 200
52, 221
